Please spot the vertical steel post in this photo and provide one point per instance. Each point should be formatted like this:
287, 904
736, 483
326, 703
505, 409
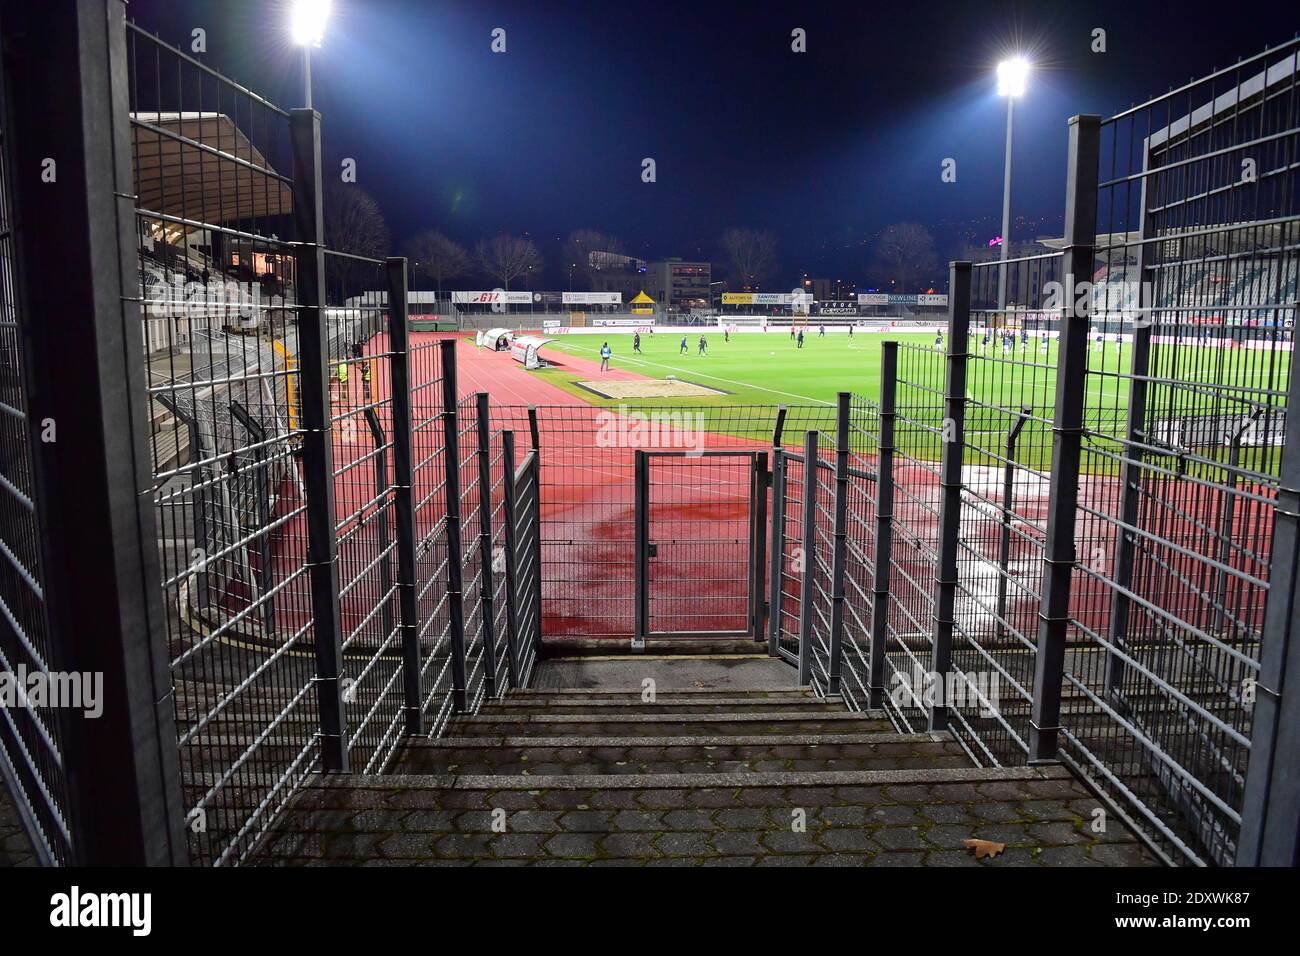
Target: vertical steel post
77, 309
490, 662
950, 484
455, 550
839, 551
512, 545
762, 481
809, 545
408, 598
884, 523
317, 442
383, 517
1067, 437
1270, 815
1228, 520
641, 476
536, 434
776, 552
1008, 503
1131, 472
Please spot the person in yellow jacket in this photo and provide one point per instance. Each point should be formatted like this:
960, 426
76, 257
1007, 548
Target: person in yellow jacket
341, 374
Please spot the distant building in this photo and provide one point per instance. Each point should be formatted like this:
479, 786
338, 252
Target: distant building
827, 290
992, 249
611, 272
677, 284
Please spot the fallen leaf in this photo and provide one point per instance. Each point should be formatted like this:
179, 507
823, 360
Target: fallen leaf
983, 848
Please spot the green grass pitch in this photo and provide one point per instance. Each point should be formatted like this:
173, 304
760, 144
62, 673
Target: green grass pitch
756, 368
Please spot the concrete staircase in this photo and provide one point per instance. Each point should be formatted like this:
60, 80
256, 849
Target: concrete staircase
692, 776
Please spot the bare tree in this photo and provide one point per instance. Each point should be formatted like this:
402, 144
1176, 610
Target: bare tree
751, 256
902, 255
506, 258
587, 253
353, 222
436, 257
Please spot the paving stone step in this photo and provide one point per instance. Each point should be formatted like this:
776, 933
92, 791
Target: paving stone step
635, 693
679, 755
666, 725
754, 698
698, 705
905, 817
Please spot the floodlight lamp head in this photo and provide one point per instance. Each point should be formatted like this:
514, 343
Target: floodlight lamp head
307, 21
1012, 75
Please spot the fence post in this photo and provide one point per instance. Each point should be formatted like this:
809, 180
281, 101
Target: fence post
809, 545
1067, 437
760, 482
1270, 815
399, 370
455, 551
383, 518
1131, 472
884, 523
954, 446
1008, 502
76, 341
485, 541
317, 442
511, 545
841, 535
536, 435
776, 555
641, 532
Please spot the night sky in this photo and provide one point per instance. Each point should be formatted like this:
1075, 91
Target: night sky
823, 148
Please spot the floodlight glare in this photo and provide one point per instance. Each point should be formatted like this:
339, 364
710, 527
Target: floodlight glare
1012, 75
307, 21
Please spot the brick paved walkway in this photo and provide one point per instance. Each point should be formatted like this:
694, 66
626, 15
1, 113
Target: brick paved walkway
714, 777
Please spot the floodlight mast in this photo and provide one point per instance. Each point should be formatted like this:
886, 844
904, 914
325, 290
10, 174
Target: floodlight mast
307, 28
1012, 75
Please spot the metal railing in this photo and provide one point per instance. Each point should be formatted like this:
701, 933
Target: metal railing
1091, 535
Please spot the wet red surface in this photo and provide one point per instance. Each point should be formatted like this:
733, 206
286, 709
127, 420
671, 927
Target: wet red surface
700, 512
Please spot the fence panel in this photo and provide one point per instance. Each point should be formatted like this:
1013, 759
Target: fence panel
479, 650
30, 745
361, 420
1007, 438
222, 361
587, 487
1193, 312
522, 564
918, 441
430, 481
860, 551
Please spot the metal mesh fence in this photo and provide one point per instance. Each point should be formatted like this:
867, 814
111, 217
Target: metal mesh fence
861, 521
919, 435
30, 750
1198, 222
221, 356
364, 492
588, 489
480, 667
428, 438
1169, 341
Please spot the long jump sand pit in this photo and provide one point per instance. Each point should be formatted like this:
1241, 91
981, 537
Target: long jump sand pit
649, 388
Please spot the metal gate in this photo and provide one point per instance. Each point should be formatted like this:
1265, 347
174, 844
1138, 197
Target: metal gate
701, 522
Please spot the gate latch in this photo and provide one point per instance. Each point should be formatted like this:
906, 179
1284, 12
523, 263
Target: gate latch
654, 550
